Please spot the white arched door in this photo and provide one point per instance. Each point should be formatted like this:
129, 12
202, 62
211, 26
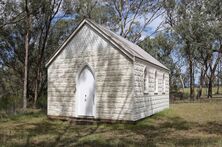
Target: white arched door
85, 92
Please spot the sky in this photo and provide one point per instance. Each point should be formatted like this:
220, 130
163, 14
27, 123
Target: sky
152, 27
149, 30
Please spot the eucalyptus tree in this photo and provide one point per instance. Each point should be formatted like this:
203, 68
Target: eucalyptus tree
207, 40
129, 18
214, 15
198, 26
27, 37
133, 17
25, 29
12, 46
45, 12
179, 18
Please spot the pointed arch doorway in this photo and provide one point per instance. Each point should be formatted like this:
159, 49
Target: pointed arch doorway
85, 92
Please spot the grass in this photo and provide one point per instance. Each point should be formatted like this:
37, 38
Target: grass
184, 124
204, 90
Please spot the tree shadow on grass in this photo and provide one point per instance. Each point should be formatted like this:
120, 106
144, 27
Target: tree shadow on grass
68, 134
153, 131
166, 132
213, 128
179, 132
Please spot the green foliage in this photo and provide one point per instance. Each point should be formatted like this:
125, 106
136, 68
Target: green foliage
12, 48
196, 25
162, 47
9, 105
159, 47
80, 9
52, 21
42, 102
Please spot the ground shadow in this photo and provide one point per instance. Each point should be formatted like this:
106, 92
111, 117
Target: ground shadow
153, 131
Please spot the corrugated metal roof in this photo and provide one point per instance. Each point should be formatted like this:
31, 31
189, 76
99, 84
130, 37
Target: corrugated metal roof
128, 46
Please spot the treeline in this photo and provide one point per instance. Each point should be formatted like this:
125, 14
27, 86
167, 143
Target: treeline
197, 26
192, 36
187, 39
30, 31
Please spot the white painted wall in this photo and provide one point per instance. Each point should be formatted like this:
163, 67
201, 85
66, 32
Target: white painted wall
150, 102
113, 75
119, 81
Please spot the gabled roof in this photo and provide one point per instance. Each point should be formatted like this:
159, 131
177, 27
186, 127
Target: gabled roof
127, 47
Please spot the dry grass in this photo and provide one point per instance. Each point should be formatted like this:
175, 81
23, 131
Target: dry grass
204, 91
184, 124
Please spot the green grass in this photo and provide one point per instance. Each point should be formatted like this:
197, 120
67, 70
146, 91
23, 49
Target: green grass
184, 124
204, 91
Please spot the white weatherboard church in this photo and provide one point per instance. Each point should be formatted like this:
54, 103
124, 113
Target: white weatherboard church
99, 75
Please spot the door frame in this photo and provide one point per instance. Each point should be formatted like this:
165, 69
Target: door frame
82, 66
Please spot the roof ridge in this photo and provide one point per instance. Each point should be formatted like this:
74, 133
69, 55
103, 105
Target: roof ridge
122, 43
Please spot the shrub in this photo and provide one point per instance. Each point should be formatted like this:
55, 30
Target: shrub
42, 102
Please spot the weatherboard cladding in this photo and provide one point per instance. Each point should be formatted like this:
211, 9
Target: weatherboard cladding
146, 104
119, 72
113, 72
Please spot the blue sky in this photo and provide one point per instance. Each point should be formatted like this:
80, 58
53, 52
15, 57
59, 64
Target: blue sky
152, 27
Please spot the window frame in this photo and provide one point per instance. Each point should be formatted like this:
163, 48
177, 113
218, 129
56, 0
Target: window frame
164, 83
156, 82
145, 81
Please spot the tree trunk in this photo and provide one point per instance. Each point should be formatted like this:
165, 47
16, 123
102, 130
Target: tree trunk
26, 71
182, 83
28, 21
35, 93
42, 45
199, 94
191, 73
191, 78
206, 85
210, 88
36, 88
218, 79
212, 78
200, 88
218, 85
